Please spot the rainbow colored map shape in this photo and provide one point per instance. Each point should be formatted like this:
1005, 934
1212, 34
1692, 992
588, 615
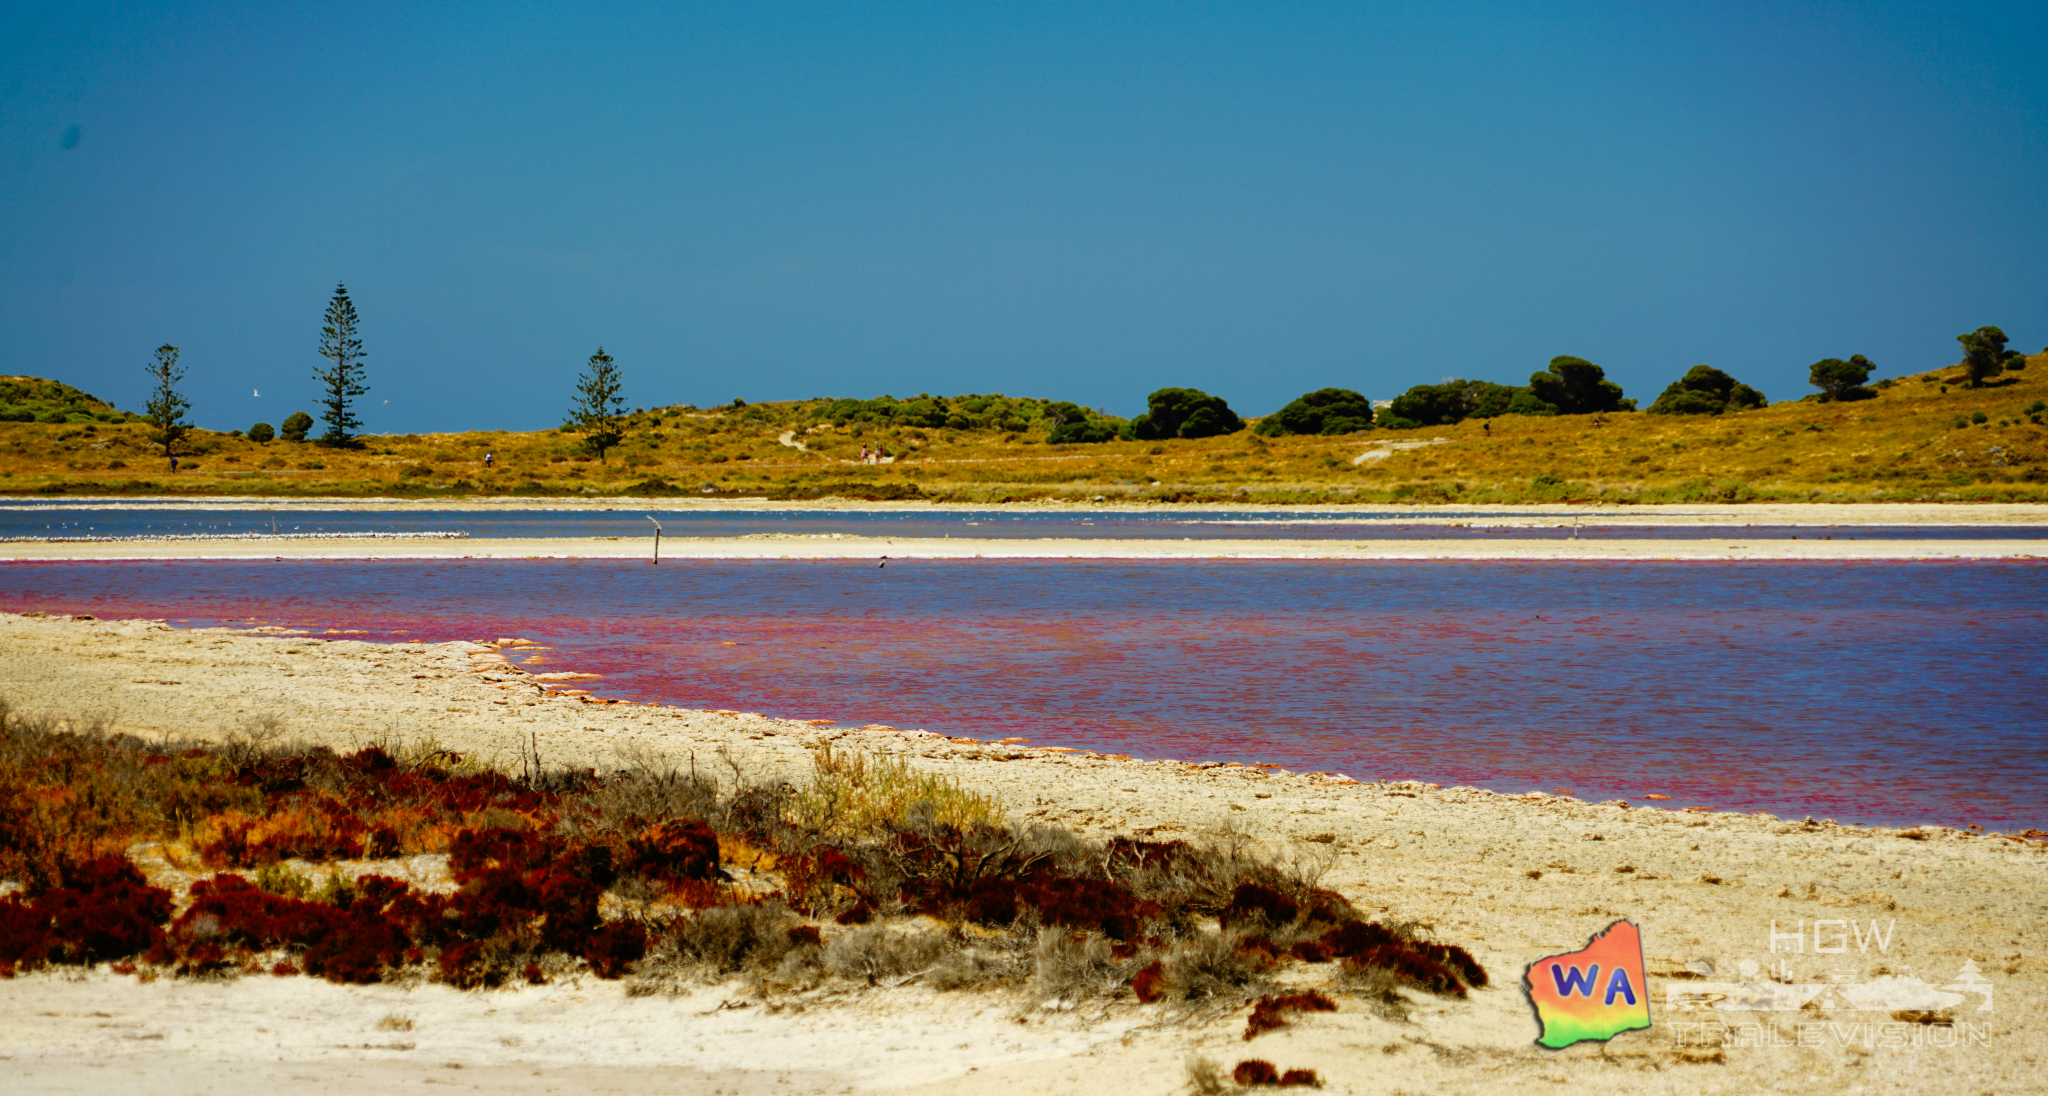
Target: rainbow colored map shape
1593, 994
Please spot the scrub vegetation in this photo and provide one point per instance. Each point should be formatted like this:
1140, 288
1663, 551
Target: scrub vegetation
869, 873
1956, 433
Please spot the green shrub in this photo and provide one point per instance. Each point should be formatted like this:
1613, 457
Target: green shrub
985, 412
1705, 390
296, 427
1078, 426
1456, 400
1324, 411
261, 433
1576, 386
1184, 413
1979, 417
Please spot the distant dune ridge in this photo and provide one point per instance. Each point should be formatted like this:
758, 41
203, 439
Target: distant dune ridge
1928, 437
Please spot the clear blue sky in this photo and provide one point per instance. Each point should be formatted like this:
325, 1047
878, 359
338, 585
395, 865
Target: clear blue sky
1082, 201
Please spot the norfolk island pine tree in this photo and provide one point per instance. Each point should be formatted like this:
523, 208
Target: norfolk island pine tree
600, 409
165, 409
343, 380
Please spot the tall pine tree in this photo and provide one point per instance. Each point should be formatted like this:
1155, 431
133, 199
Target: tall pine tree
342, 380
600, 410
165, 409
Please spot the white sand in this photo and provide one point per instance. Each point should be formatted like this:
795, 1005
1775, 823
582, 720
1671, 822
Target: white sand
1749, 513
1828, 531
1706, 887
793, 546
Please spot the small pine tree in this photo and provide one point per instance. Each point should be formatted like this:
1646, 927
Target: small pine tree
599, 412
165, 409
343, 380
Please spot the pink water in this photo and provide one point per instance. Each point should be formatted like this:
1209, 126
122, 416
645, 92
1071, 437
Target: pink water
1895, 692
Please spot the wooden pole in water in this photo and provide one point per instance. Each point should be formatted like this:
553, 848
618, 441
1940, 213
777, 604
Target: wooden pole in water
657, 539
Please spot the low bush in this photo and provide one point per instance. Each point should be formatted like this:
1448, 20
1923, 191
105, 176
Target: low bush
625, 875
101, 910
1268, 1013
1324, 411
1258, 1072
1705, 390
1184, 413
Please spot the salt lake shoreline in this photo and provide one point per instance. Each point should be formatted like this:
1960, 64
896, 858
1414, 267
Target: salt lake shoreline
1547, 514
1512, 877
799, 546
1820, 519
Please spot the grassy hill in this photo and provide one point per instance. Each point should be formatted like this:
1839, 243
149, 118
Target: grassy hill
33, 399
1922, 437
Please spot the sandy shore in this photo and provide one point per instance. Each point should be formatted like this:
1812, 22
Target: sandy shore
797, 546
1513, 877
1828, 532
1718, 514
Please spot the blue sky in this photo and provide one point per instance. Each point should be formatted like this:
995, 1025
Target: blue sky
1083, 201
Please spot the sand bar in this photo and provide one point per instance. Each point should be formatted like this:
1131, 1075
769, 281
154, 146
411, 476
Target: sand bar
1716, 514
1513, 875
830, 547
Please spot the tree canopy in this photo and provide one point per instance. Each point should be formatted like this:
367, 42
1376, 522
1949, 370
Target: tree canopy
1841, 380
1074, 424
1184, 413
296, 426
1456, 400
1984, 355
1705, 390
1576, 386
923, 411
1324, 411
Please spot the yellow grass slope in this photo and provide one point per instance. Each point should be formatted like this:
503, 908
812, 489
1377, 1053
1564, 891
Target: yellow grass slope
1925, 437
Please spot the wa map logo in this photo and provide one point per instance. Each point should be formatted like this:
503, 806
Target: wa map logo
1592, 994
1600, 991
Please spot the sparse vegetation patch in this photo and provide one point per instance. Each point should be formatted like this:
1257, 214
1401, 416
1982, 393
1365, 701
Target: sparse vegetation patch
869, 873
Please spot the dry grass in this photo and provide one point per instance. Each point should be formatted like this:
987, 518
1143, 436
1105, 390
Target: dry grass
1914, 441
851, 793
